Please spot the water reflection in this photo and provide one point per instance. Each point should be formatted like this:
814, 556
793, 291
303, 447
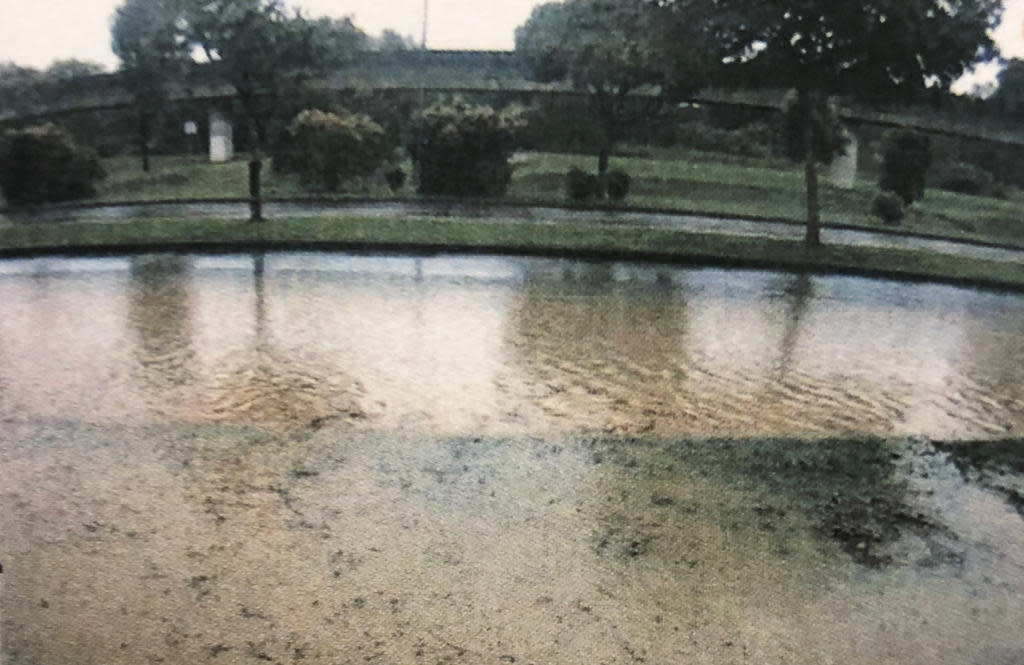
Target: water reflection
267, 382
160, 314
470, 344
601, 344
797, 293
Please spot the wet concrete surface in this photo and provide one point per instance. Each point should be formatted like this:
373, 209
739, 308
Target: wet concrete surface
350, 459
226, 544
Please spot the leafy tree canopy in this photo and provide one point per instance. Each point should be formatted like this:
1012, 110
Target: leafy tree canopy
67, 70
876, 49
613, 47
1011, 87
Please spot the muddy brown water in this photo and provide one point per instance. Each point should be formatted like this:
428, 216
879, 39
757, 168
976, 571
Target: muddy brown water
349, 459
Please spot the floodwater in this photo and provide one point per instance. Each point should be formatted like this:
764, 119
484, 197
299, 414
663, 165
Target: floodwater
360, 458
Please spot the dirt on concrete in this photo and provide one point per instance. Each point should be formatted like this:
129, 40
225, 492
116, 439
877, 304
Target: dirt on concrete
341, 543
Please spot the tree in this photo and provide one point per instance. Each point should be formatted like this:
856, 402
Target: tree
611, 50
1009, 95
266, 53
145, 36
881, 50
392, 42
61, 71
19, 87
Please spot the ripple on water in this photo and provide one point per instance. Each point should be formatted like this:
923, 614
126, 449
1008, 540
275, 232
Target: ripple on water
463, 344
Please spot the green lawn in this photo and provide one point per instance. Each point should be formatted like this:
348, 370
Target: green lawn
404, 233
667, 179
700, 182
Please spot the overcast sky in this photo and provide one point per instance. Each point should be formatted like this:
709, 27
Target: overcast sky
39, 31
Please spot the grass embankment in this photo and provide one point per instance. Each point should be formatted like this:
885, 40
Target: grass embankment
501, 236
715, 184
681, 180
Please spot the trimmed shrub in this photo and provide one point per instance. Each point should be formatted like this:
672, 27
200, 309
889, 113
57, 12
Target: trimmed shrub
395, 178
905, 161
464, 150
44, 164
965, 178
580, 185
327, 149
618, 185
888, 207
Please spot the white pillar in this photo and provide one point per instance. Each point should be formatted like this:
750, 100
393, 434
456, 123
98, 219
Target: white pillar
222, 147
842, 172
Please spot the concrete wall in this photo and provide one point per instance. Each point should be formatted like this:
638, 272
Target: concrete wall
222, 147
842, 172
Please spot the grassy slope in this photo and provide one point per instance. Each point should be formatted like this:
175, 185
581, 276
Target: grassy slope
702, 182
676, 180
514, 236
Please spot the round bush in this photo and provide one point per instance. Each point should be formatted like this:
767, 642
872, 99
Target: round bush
888, 207
326, 149
905, 162
464, 150
43, 164
580, 185
618, 185
395, 178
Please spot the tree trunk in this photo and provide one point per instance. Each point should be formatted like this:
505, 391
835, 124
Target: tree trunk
145, 123
255, 202
602, 170
813, 236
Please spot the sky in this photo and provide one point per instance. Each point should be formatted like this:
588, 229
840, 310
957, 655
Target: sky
37, 32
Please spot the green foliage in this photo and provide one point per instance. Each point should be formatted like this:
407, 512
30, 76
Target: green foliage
888, 206
828, 139
326, 149
463, 150
611, 50
1009, 97
62, 71
905, 162
266, 52
618, 185
878, 50
391, 42
580, 185
43, 164
395, 177
753, 140
145, 36
261, 48
965, 178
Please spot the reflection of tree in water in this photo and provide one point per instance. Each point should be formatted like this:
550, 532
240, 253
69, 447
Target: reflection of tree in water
796, 296
598, 350
800, 399
989, 388
160, 313
268, 385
